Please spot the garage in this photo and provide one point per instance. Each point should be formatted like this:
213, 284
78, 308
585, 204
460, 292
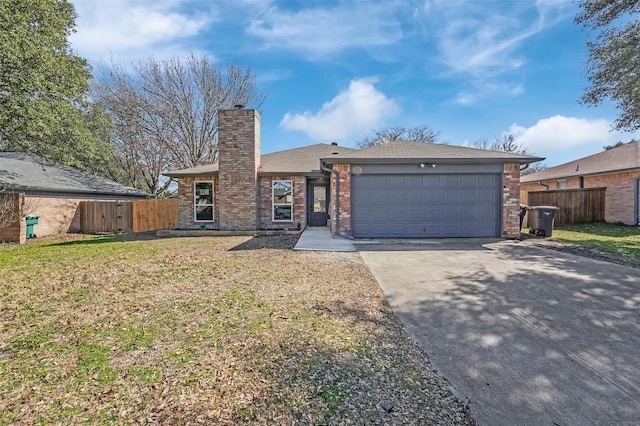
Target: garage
426, 205
410, 189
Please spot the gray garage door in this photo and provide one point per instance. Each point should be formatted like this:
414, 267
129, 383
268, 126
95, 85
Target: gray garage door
446, 205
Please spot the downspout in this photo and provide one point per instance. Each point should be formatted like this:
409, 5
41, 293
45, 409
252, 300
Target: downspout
542, 184
337, 175
635, 201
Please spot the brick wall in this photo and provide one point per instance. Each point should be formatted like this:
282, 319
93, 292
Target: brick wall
57, 214
265, 203
511, 200
619, 197
186, 218
14, 232
238, 162
344, 171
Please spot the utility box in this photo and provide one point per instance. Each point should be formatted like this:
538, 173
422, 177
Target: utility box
31, 220
541, 220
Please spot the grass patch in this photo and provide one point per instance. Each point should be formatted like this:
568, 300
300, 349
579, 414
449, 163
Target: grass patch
621, 242
110, 330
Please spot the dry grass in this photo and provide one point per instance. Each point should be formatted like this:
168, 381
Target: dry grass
121, 330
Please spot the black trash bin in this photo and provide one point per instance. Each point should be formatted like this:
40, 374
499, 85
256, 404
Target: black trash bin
523, 211
541, 220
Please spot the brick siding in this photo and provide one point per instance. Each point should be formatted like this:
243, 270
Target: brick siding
59, 214
15, 232
239, 159
511, 200
265, 203
186, 217
344, 196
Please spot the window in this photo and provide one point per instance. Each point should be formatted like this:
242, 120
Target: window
203, 201
282, 198
562, 184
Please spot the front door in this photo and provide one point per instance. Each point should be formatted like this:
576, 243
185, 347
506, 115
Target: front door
318, 204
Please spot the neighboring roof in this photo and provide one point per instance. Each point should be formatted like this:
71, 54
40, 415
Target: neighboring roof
296, 161
24, 173
402, 151
623, 158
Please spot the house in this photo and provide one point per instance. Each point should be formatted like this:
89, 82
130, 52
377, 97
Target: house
35, 186
399, 189
617, 170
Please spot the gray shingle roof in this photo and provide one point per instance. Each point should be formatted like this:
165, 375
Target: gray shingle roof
306, 160
626, 157
24, 173
400, 150
297, 161
301, 160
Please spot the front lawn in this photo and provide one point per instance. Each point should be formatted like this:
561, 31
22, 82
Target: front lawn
617, 242
119, 330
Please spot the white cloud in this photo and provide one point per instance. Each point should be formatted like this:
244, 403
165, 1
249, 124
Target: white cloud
358, 109
559, 133
318, 33
128, 29
486, 89
481, 42
481, 38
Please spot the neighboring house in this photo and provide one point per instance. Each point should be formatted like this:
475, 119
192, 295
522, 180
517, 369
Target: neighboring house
53, 193
399, 189
617, 170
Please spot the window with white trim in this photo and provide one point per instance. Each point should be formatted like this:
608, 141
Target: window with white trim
282, 200
203, 201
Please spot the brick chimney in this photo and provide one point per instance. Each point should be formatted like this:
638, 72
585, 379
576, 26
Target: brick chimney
238, 163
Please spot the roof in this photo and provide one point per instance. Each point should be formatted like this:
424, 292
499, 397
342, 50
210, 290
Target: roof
25, 173
299, 160
401, 151
623, 158
296, 161
306, 160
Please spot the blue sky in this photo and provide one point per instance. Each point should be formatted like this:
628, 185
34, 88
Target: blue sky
335, 70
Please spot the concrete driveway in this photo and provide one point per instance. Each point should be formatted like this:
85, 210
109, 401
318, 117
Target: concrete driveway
530, 336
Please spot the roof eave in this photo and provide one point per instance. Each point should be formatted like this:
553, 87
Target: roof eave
291, 173
603, 172
20, 188
429, 160
189, 174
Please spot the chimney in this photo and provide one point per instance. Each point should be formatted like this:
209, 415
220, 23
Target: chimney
238, 164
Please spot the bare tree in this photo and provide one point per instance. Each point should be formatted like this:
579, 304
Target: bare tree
508, 143
14, 206
504, 143
419, 133
166, 113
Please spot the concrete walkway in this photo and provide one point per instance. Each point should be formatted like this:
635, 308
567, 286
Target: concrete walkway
527, 335
320, 238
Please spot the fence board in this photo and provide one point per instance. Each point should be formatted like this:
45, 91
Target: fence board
128, 216
576, 205
149, 215
105, 216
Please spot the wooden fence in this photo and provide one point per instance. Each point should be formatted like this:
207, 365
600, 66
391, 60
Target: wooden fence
128, 216
576, 205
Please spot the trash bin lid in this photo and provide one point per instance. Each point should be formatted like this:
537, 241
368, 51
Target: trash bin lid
544, 208
32, 217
